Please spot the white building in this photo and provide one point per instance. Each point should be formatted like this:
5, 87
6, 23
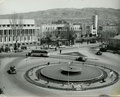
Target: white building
59, 28
94, 25
23, 35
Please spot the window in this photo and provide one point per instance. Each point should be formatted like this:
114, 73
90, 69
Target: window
5, 39
4, 25
9, 38
8, 25
24, 38
13, 38
5, 32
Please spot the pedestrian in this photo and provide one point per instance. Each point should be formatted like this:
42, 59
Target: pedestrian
26, 55
48, 63
111, 74
60, 51
72, 85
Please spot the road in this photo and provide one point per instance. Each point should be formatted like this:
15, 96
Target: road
16, 86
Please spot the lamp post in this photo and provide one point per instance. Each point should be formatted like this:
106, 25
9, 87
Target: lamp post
68, 74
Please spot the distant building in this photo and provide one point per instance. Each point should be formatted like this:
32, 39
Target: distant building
92, 29
111, 28
59, 29
25, 36
94, 25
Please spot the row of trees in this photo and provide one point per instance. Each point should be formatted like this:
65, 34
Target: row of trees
16, 24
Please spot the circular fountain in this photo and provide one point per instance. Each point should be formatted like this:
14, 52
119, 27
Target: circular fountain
75, 72
67, 76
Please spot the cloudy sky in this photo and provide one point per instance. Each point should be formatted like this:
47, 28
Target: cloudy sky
16, 6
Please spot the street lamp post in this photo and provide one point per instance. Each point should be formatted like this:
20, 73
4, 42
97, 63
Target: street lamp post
68, 74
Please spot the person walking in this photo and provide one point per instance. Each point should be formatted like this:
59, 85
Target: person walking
60, 51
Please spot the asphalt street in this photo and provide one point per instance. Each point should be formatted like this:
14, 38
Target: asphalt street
18, 86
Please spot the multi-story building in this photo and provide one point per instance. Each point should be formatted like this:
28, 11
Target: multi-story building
90, 28
111, 28
59, 29
94, 26
23, 35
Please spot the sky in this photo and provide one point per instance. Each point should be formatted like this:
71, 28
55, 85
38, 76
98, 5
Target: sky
18, 6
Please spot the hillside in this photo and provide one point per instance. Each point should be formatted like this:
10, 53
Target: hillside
106, 15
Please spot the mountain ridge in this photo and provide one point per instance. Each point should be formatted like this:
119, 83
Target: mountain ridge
108, 15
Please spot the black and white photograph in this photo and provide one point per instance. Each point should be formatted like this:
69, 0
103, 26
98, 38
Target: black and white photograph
59, 48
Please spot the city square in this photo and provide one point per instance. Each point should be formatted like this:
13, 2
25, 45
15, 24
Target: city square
59, 48
27, 77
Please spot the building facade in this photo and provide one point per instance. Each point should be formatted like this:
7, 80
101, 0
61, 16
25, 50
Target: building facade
94, 26
59, 29
23, 35
111, 28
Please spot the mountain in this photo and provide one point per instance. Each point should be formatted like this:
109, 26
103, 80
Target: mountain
106, 15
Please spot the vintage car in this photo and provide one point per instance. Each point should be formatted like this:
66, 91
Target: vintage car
98, 53
12, 70
82, 59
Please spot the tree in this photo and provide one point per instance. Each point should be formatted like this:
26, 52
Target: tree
107, 35
70, 35
48, 38
16, 23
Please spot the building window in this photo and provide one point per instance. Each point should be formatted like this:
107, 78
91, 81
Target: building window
24, 38
8, 25
5, 39
5, 32
13, 38
1, 31
9, 38
28, 37
4, 25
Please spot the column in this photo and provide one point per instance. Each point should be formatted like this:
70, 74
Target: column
3, 37
8, 36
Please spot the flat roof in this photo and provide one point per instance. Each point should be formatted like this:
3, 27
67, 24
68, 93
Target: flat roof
25, 21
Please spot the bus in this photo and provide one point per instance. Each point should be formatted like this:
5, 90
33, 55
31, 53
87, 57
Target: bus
40, 53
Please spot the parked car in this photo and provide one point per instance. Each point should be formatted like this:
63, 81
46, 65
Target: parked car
98, 53
103, 49
83, 59
12, 70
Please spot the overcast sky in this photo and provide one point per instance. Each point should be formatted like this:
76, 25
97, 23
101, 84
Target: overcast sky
16, 6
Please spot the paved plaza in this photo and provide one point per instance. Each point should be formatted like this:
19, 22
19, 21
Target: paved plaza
27, 84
